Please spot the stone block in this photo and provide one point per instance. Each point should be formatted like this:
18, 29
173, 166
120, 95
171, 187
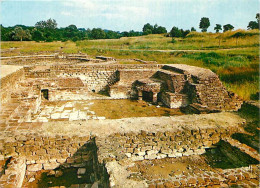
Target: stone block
128, 155
150, 152
137, 158
81, 171
178, 154
161, 156
34, 167
150, 157
50, 166
141, 153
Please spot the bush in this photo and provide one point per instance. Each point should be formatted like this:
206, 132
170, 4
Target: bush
173, 40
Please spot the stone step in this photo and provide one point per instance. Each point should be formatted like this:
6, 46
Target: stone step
173, 69
244, 148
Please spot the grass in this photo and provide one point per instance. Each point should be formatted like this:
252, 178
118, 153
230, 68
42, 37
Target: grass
234, 59
193, 41
117, 109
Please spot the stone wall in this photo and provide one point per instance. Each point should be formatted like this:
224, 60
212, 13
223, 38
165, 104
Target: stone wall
9, 83
173, 100
158, 145
51, 153
204, 88
96, 78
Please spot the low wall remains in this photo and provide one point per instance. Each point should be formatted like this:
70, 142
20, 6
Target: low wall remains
9, 82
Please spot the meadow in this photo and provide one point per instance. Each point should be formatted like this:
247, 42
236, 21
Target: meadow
233, 55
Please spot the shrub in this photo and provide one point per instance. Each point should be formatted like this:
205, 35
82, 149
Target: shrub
173, 40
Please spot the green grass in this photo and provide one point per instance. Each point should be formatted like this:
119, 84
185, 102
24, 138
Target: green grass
235, 60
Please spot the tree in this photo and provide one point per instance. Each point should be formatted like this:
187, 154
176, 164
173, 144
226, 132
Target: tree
148, 32
20, 34
253, 25
204, 24
148, 29
257, 17
193, 29
160, 30
175, 32
98, 33
217, 28
37, 35
71, 28
185, 33
228, 27
48, 24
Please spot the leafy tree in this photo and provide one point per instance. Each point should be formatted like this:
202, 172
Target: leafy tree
98, 33
76, 38
193, 29
228, 27
70, 31
175, 32
125, 34
147, 32
71, 28
37, 35
185, 33
20, 34
49, 24
160, 30
257, 17
112, 34
253, 25
148, 29
217, 28
204, 24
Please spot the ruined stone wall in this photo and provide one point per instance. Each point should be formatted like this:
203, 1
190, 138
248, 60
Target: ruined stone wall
96, 77
129, 76
49, 153
174, 82
175, 100
96, 80
212, 93
158, 145
9, 83
204, 88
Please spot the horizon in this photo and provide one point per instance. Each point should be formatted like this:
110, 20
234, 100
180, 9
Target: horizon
129, 15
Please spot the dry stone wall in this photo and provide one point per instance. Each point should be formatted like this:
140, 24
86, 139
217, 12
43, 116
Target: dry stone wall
36, 153
9, 83
158, 145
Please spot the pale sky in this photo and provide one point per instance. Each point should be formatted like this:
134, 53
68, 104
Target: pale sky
124, 15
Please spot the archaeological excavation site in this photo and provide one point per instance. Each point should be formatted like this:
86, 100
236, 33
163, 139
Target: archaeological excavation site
83, 122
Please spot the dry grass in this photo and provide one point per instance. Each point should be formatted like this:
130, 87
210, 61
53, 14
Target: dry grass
117, 109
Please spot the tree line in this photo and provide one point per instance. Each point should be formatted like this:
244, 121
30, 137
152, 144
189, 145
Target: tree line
205, 23
48, 31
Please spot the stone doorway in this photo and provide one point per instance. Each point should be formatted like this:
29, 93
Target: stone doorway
45, 93
147, 96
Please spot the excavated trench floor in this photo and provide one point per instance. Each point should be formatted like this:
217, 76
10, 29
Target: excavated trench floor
100, 109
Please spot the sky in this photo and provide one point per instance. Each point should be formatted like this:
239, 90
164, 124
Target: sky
125, 15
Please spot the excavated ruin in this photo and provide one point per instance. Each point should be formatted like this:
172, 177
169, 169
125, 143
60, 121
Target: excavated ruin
47, 146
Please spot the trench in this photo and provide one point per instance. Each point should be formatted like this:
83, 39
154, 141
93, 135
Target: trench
75, 172
223, 155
